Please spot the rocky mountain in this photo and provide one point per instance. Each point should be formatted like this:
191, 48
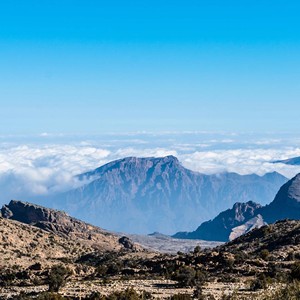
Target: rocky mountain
295, 161
143, 195
222, 226
286, 204
243, 217
60, 224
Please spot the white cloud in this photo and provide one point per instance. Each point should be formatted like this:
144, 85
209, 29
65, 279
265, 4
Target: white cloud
242, 161
30, 170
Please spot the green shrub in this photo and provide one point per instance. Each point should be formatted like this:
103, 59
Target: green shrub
50, 296
186, 276
264, 254
58, 277
295, 270
289, 292
259, 283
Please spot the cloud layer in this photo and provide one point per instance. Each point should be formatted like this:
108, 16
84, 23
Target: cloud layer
31, 170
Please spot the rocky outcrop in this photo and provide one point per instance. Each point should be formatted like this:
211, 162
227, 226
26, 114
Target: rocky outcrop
286, 204
251, 224
143, 195
127, 243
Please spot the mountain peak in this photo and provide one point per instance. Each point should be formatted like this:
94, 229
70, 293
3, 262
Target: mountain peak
289, 192
143, 195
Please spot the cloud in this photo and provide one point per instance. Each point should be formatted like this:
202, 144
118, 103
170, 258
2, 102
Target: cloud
40, 169
242, 161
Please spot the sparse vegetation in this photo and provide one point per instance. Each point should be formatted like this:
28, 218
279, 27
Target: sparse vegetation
262, 265
57, 277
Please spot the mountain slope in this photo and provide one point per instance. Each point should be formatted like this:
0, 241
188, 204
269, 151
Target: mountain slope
245, 216
143, 195
286, 204
61, 224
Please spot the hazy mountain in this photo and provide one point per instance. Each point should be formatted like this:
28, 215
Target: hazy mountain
246, 216
143, 195
295, 161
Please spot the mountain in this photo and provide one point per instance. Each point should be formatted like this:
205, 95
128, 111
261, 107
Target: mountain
286, 204
243, 217
60, 224
295, 161
143, 195
222, 226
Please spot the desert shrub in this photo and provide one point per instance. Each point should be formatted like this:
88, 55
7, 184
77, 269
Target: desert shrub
289, 292
186, 276
295, 270
198, 293
234, 296
264, 254
128, 294
146, 295
113, 268
260, 282
58, 277
7, 277
51, 296
240, 257
197, 249
101, 271
94, 296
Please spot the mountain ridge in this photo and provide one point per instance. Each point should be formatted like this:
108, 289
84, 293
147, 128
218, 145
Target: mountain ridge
143, 195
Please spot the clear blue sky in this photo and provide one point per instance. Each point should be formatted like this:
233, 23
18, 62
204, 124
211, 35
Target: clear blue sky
97, 66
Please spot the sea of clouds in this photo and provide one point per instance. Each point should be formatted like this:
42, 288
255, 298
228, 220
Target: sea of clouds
35, 168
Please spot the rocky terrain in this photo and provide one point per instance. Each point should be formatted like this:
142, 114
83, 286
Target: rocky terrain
245, 216
46, 254
60, 224
144, 195
253, 266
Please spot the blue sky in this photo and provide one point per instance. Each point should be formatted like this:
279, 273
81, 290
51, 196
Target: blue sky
111, 66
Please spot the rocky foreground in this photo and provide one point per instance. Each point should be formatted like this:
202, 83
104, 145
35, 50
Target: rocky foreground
56, 257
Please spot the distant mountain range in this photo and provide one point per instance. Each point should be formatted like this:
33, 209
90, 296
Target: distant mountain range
295, 161
243, 217
143, 195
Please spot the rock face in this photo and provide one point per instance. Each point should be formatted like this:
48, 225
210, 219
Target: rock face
127, 243
286, 204
61, 224
221, 227
143, 195
253, 223
243, 217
